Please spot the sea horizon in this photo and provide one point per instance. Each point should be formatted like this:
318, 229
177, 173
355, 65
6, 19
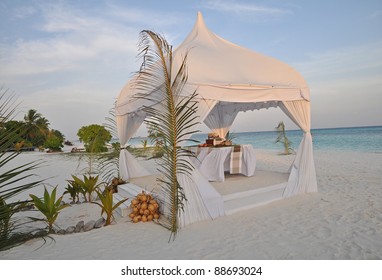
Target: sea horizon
357, 138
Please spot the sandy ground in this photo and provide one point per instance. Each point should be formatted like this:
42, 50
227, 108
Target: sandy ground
342, 221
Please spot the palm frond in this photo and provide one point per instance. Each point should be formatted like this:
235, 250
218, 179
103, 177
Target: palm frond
13, 181
108, 162
170, 115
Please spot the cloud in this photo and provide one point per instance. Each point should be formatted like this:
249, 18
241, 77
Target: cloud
243, 8
345, 85
144, 17
73, 41
77, 60
352, 66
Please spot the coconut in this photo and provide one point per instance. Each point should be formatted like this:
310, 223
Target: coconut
151, 207
134, 202
144, 206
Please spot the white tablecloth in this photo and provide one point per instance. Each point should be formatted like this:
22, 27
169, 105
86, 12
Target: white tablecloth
213, 162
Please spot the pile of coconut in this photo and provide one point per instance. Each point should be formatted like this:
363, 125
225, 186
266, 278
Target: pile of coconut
144, 208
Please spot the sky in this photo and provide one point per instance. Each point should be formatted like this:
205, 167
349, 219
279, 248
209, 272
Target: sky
70, 59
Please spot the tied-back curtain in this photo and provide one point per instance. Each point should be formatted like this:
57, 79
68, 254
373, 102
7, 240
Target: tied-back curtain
221, 119
127, 125
302, 178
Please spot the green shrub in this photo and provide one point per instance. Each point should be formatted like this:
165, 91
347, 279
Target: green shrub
54, 143
94, 137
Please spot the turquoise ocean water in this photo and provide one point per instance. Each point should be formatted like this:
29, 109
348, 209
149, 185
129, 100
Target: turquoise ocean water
363, 139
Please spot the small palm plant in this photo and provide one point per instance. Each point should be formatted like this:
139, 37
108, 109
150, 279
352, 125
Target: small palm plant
49, 206
144, 144
282, 138
87, 186
107, 205
74, 190
172, 117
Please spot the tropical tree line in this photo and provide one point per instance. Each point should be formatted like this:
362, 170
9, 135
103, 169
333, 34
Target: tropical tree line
16, 224
33, 131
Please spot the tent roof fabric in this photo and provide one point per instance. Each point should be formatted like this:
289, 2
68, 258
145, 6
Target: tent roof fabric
222, 71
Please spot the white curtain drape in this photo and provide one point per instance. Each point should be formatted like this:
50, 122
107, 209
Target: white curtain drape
221, 119
127, 125
203, 201
302, 178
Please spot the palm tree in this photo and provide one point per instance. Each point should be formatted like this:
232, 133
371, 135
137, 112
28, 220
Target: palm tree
36, 126
12, 182
172, 119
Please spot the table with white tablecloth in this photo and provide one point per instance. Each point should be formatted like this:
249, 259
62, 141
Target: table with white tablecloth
212, 162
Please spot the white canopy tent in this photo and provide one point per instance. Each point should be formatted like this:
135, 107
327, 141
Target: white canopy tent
228, 79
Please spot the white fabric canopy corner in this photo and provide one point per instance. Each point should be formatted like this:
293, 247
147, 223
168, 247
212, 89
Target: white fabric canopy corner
228, 79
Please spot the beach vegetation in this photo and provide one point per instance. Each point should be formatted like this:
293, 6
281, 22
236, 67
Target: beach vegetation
14, 129
54, 141
229, 138
282, 138
87, 186
37, 128
49, 206
14, 229
94, 137
144, 143
107, 204
172, 120
74, 190
32, 131
156, 138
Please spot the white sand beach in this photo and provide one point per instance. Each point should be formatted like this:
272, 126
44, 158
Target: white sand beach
342, 221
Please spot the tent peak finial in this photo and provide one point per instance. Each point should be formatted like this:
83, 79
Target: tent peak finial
200, 17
